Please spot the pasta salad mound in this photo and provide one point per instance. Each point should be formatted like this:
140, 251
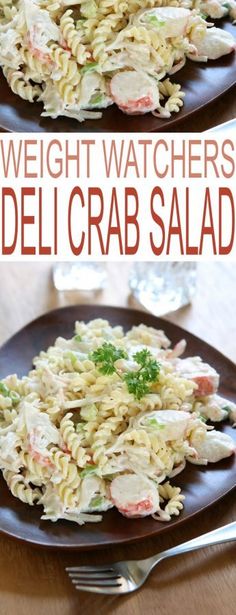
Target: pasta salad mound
80, 56
107, 419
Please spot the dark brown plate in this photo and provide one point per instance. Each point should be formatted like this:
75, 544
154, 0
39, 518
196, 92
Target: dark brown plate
202, 486
202, 83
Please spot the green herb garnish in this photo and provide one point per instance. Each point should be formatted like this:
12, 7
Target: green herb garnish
105, 357
203, 418
149, 366
137, 381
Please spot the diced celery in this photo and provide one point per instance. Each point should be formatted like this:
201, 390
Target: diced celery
96, 99
97, 502
4, 390
154, 20
226, 408
77, 338
15, 397
88, 470
89, 413
89, 9
72, 357
154, 423
91, 66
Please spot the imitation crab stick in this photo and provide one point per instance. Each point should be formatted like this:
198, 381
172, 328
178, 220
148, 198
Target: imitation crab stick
204, 376
134, 92
134, 496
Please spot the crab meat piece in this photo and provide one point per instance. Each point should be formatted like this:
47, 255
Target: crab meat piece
218, 408
212, 410
226, 406
170, 21
213, 45
134, 496
214, 447
134, 92
178, 350
41, 28
171, 423
214, 9
204, 376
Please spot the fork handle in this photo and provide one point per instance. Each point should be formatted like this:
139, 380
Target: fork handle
225, 533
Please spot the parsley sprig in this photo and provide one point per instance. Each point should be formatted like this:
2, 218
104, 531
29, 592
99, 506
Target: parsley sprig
105, 357
137, 381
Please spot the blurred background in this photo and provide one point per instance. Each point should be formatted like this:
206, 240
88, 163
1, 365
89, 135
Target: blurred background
28, 290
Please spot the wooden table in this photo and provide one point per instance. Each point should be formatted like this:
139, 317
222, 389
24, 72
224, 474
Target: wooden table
33, 582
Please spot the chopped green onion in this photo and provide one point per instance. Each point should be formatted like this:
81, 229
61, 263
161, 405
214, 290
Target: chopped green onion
88, 470
15, 397
80, 22
154, 423
4, 390
77, 338
90, 67
72, 357
154, 20
97, 502
96, 99
203, 418
80, 427
226, 408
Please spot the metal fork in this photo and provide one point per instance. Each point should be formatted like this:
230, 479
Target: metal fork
124, 577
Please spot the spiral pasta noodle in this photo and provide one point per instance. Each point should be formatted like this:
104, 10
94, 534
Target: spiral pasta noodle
78, 437
87, 55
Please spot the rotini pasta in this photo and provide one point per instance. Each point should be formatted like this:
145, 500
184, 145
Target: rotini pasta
79, 57
106, 419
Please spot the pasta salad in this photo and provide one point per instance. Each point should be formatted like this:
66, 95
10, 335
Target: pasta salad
80, 56
107, 419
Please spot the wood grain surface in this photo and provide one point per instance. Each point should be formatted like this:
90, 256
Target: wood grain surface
32, 581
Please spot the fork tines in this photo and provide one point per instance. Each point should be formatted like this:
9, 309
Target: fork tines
92, 578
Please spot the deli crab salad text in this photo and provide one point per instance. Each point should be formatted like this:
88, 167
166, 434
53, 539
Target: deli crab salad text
106, 419
78, 57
